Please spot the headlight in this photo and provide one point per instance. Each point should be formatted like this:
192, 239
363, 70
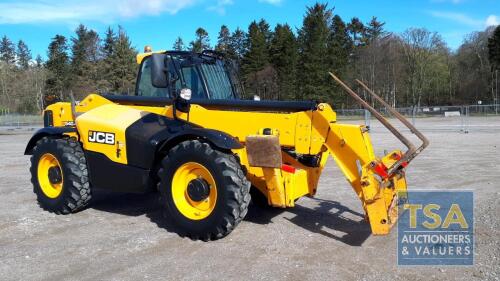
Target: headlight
185, 94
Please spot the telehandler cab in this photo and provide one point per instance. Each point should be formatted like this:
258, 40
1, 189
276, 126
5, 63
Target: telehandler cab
186, 133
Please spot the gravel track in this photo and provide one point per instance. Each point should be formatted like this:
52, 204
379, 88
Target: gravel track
123, 236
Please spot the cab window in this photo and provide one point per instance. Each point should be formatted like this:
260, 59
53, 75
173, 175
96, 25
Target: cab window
145, 87
192, 77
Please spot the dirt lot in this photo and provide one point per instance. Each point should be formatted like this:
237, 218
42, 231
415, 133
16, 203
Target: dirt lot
123, 237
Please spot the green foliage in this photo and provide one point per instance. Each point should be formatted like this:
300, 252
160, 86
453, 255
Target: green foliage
38, 61
237, 45
256, 56
58, 70
202, 41
109, 43
374, 30
284, 57
123, 65
223, 40
105, 65
494, 49
255, 61
23, 55
7, 51
340, 47
85, 52
94, 66
314, 63
412, 68
178, 44
357, 30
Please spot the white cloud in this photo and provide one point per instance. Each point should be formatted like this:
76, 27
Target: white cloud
70, 11
456, 17
272, 2
465, 19
492, 20
220, 6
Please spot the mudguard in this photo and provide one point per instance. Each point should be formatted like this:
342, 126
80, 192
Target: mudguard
154, 133
47, 131
219, 139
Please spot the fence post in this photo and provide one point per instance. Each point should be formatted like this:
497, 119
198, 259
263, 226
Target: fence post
466, 119
413, 115
367, 118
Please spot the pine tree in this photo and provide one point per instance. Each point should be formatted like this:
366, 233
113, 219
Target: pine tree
256, 56
259, 77
7, 51
266, 30
202, 41
237, 44
104, 64
494, 49
57, 66
374, 30
79, 50
109, 43
23, 55
339, 50
123, 65
284, 57
224, 40
339, 45
255, 60
312, 78
85, 52
38, 61
94, 57
356, 29
178, 44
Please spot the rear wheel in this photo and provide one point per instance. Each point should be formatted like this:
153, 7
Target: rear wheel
204, 190
59, 175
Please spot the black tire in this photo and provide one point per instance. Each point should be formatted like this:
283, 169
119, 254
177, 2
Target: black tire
233, 188
76, 190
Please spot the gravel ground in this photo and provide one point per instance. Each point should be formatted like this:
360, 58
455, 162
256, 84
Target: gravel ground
123, 236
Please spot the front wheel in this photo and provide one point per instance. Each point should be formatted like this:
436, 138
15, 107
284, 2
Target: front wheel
204, 190
59, 175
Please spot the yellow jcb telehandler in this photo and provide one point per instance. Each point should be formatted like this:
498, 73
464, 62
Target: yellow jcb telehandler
187, 134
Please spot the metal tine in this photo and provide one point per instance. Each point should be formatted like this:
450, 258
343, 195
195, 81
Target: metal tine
412, 151
400, 117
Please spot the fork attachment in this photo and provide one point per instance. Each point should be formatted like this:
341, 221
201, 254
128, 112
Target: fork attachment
378, 182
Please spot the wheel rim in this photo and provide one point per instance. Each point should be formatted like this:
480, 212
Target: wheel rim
50, 184
192, 172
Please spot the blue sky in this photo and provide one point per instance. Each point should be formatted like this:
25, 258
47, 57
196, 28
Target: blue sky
159, 22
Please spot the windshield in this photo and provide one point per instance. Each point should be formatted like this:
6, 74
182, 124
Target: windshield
218, 82
206, 76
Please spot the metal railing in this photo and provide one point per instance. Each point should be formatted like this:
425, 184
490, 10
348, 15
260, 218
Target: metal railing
457, 117
430, 111
8, 119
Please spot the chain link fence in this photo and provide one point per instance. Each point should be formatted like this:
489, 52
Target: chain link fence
16, 120
429, 111
461, 118
453, 117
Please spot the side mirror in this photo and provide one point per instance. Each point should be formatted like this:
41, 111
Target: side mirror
159, 71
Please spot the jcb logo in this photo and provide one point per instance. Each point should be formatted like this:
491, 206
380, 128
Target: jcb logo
101, 137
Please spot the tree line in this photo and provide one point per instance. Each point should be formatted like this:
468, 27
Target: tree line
413, 68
